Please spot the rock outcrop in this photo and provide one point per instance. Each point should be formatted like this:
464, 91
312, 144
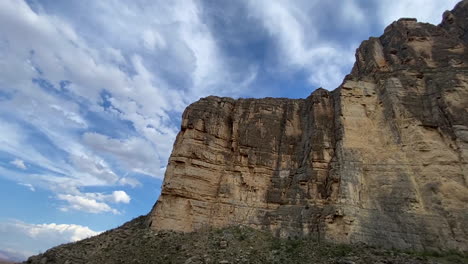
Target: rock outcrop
383, 159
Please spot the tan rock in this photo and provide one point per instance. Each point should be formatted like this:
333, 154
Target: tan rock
383, 159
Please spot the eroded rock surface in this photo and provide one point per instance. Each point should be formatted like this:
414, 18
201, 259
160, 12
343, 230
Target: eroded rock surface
383, 159
257, 162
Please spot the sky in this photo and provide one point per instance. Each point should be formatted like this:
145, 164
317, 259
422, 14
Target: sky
92, 92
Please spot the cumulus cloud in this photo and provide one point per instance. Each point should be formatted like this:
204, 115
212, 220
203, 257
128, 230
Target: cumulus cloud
70, 232
22, 239
18, 163
120, 197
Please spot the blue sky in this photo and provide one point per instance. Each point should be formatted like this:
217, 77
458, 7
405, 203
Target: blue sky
91, 92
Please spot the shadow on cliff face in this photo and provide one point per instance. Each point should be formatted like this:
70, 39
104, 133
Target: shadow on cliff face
302, 193
420, 73
406, 207
411, 205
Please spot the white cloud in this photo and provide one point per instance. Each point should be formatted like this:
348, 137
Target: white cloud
14, 138
71, 232
153, 39
290, 24
93, 165
130, 182
14, 255
137, 154
24, 239
72, 116
352, 13
424, 10
93, 202
301, 30
120, 197
85, 204
49, 48
19, 163
68, 191
29, 186
148, 62
131, 55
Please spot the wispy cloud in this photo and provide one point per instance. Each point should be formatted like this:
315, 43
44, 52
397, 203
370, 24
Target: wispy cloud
93, 202
318, 37
63, 77
85, 204
29, 186
136, 154
293, 27
130, 182
18, 163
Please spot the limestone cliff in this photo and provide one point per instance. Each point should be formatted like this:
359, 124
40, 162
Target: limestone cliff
383, 159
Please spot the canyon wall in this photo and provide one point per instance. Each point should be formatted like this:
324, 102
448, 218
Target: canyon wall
383, 159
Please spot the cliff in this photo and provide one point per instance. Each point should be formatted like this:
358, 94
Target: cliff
383, 159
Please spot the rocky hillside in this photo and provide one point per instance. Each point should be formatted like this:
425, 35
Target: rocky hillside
382, 160
135, 243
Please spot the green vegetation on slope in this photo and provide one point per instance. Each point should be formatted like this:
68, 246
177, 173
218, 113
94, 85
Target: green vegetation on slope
134, 243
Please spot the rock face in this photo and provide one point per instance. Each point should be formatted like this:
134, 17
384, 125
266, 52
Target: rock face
265, 163
383, 159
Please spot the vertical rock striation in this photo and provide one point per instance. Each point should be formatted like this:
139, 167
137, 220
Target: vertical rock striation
260, 162
383, 159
